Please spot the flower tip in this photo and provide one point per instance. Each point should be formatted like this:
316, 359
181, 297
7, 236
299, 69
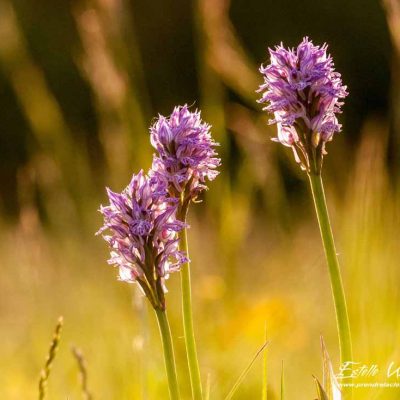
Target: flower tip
295, 81
185, 149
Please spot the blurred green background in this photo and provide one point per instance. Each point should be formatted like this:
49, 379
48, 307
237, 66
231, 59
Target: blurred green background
80, 83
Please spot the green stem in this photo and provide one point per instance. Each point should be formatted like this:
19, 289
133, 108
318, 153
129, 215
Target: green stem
342, 317
168, 353
190, 340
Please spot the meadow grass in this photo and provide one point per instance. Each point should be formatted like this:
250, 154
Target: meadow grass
48, 273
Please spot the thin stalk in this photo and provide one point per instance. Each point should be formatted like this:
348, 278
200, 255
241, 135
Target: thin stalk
83, 375
190, 341
45, 373
169, 356
342, 317
243, 375
265, 370
283, 391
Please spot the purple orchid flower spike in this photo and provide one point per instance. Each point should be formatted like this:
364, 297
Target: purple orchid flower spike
143, 240
185, 160
303, 91
186, 153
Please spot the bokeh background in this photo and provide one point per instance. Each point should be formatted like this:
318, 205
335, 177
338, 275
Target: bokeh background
80, 83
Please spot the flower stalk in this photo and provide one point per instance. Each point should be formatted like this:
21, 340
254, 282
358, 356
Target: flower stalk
169, 356
339, 298
190, 340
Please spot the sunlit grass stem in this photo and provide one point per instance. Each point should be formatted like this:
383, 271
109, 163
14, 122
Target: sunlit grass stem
83, 375
264, 395
245, 372
45, 373
342, 317
190, 340
283, 390
187, 313
169, 356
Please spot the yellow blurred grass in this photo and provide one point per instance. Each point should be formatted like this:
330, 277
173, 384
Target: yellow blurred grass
282, 281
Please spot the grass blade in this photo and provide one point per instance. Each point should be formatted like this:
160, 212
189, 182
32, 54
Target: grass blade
283, 382
265, 370
329, 381
320, 391
245, 372
208, 387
